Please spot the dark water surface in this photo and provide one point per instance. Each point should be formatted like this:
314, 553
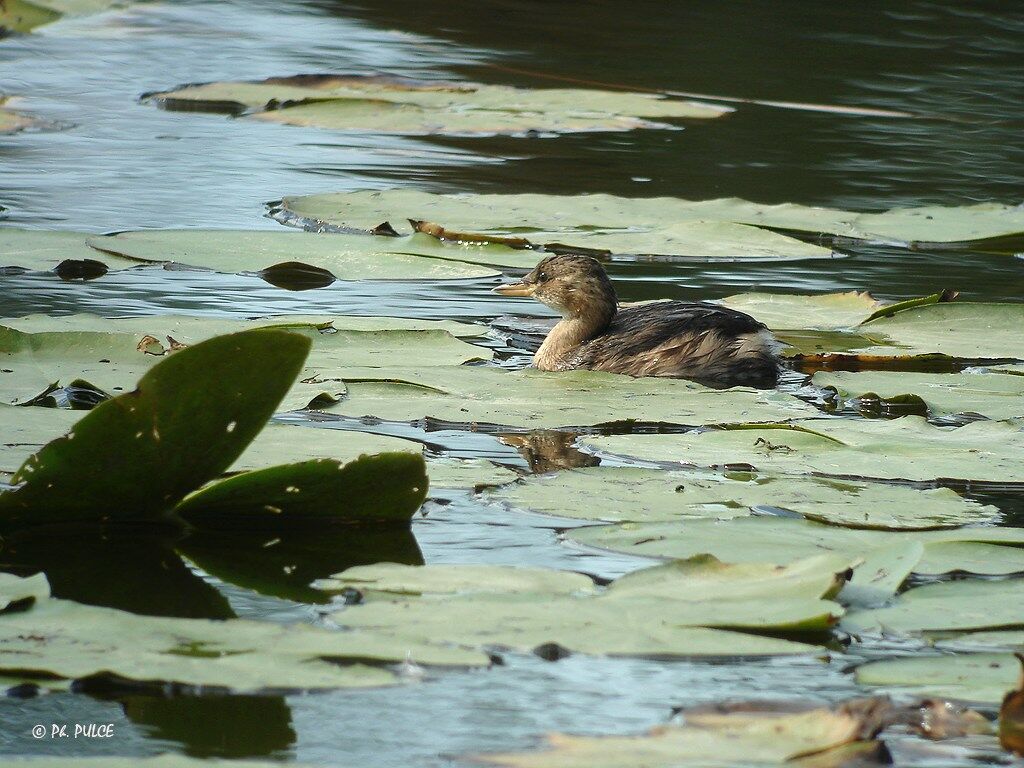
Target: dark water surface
119, 164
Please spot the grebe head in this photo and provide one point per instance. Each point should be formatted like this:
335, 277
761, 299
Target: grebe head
572, 285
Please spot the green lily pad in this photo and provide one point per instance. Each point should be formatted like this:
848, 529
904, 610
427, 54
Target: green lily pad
971, 557
26, 15
538, 400
137, 455
998, 640
18, 592
681, 609
976, 677
908, 448
25, 431
733, 740
965, 604
39, 250
399, 105
997, 396
345, 256
383, 488
551, 213
958, 329
67, 640
113, 359
784, 540
631, 494
828, 311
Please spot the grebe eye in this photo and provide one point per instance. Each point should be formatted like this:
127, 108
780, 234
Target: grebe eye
543, 276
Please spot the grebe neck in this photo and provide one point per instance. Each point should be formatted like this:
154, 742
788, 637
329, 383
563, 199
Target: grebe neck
568, 334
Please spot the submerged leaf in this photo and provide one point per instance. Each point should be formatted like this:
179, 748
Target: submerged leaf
137, 455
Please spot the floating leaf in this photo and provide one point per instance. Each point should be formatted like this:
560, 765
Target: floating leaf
345, 256
997, 396
669, 610
401, 105
137, 455
709, 741
631, 494
784, 540
39, 250
908, 448
966, 604
977, 677
113, 359
17, 592
829, 311
539, 400
958, 329
26, 15
103, 646
24, 431
383, 488
528, 213
1011, 717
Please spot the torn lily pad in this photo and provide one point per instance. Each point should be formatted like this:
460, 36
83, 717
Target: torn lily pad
137, 455
406, 106
977, 677
343, 256
783, 540
995, 224
908, 448
59, 638
632, 494
733, 740
113, 358
677, 610
40, 250
995, 395
537, 399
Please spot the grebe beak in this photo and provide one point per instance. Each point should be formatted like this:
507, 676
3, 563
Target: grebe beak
516, 289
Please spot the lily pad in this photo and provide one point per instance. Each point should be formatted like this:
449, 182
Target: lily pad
548, 213
997, 396
958, 329
17, 592
734, 740
26, 15
344, 256
383, 488
784, 540
39, 250
79, 642
538, 400
908, 448
401, 105
828, 311
25, 431
111, 360
673, 610
631, 494
965, 604
161, 761
977, 677
137, 455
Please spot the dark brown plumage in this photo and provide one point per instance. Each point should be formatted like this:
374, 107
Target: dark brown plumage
708, 343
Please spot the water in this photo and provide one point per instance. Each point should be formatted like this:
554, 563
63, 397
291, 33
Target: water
121, 164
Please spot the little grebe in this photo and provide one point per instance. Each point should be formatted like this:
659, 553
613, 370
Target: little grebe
707, 343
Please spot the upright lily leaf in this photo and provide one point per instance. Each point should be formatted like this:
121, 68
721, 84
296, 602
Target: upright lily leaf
631, 494
908, 448
137, 455
383, 488
546, 213
401, 105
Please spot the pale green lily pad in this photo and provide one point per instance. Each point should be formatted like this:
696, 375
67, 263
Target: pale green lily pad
113, 361
964, 604
826, 311
882, 571
40, 250
395, 105
908, 448
673, 610
958, 329
733, 740
631, 494
447, 472
972, 557
784, 540
977, 677
24, 431
537, 399
26, 15
345, 256
997, 396
497, 212
16, 591
68, 640
998, 640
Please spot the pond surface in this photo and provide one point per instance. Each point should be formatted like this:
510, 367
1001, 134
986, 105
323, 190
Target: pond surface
119, 164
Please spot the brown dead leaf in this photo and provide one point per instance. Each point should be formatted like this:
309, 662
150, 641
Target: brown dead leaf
150, 345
